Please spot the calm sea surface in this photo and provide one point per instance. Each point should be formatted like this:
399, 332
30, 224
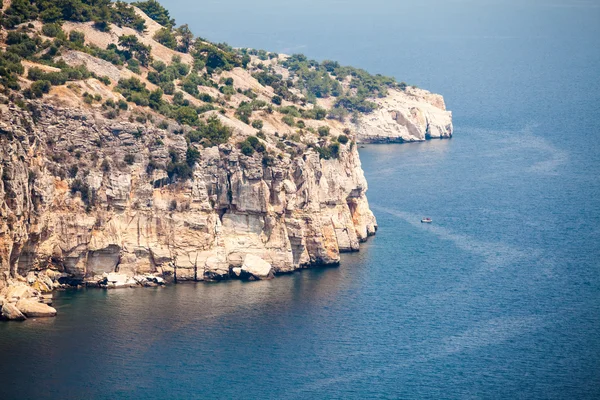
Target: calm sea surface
499, 298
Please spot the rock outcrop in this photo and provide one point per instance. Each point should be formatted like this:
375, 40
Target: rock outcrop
124, 162
19, 301
73, 212
12, 313
35, 309
412, 115
255, 267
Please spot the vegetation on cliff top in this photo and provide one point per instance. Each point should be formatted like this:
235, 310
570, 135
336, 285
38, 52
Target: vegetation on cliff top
191, 86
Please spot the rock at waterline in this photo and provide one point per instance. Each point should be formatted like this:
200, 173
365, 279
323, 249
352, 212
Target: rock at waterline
11, 312
257, 268
34, 309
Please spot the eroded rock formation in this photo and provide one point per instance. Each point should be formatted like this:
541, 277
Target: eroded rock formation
412, 115
72, 210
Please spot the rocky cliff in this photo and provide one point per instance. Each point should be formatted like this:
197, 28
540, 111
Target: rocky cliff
132, 153
411, 115
69, 204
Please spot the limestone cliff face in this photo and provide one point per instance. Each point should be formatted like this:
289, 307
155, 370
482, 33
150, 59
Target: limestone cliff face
71, 207
406, 116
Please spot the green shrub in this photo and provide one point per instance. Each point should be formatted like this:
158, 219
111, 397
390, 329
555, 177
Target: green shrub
331, 151
291, 110
134, 66
246, 148
288, 120
179, 171
105, 80
268, 160
343, 139
165, 37
167, 87
133, 48
227, 90
186, 115
257, 124
159, 66
156, 11
37, 89
211, 133
276, 100
53, 30
60, 77
10, 68
323, 131
77, 38
192, 156
244, 112
250, 145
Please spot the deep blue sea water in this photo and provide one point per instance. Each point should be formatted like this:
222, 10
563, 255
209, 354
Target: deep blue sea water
498, 298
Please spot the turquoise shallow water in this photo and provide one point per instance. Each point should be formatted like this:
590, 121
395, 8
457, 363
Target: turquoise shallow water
498, 298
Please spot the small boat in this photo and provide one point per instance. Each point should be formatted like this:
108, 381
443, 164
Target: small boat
426, 221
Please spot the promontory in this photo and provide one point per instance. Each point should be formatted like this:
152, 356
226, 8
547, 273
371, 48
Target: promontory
133, 153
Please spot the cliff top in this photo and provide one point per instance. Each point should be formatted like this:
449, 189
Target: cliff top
131, 62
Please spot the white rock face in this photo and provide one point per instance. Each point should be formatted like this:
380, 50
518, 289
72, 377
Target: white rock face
406, 116
256, 267
297, 211
116, 280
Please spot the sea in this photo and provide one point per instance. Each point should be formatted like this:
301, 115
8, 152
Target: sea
498, 298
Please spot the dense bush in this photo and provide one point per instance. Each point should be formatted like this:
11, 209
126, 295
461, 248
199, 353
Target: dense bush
316, 80
59, 77
288, 120
101, 12
21, 44
10, 68
186, 115
250, 145
135, 91
331, 151
244, 112
157, 12
133, 48
211, 133
53, 30
323, 131
37, 89
214, 57
76, 37
165, 37
343, 139
276, 100
316, 112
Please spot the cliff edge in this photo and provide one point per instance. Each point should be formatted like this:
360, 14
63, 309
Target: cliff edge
412, 115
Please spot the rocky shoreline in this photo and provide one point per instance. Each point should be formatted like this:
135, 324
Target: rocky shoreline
238, 219
236, 170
